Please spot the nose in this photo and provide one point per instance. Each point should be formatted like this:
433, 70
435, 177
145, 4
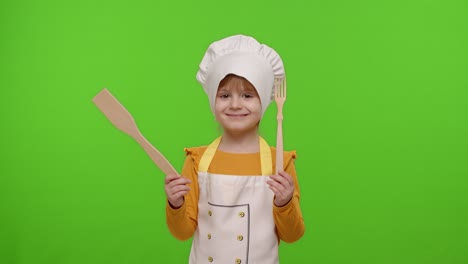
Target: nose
235, 102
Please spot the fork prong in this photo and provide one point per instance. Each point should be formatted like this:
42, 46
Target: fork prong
277, 86
284, 87
280, 87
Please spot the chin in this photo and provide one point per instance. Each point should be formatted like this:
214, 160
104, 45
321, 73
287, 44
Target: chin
239, 130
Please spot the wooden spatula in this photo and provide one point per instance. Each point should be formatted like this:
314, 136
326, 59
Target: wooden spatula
121, 118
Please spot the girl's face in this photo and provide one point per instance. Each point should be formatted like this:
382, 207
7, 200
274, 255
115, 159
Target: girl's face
237, 107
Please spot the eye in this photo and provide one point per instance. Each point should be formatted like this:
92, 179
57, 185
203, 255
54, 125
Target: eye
223, 95
247, 95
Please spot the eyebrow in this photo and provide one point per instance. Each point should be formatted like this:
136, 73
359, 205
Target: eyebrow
222, 90
243, 89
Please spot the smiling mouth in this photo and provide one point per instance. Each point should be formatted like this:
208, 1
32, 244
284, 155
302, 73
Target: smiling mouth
236, 115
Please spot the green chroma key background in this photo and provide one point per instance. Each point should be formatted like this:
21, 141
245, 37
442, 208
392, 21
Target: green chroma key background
377, 111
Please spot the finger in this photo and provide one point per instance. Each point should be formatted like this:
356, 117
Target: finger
178, 198
178, 181
179, 194
280, 188
276, 183
275, 191
280, 179
178, 188
172, 188
170, 177
287, 177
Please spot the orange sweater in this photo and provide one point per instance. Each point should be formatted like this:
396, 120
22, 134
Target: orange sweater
182, 221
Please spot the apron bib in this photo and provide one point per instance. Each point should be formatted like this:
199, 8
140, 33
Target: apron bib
235, 215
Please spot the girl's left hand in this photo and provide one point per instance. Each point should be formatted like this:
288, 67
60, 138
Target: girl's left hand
282, 186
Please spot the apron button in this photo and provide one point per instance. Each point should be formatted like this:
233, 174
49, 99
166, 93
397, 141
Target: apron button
240, 238
210, 213
210, 259
209, 236
241, 214
238, 261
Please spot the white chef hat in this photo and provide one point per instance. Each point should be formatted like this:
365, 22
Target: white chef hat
243, 56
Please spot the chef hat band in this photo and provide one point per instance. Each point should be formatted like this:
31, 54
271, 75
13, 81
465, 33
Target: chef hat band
242, 56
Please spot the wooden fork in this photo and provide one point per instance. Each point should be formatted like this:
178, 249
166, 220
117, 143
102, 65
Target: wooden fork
280, 98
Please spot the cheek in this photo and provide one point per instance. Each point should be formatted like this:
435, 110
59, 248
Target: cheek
256, 105
219, 108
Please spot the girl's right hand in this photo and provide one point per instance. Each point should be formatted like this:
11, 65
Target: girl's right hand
176, 187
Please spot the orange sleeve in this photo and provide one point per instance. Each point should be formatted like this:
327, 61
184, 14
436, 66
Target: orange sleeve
182, 221
288, 218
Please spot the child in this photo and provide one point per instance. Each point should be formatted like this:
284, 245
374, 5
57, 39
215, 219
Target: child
227, 197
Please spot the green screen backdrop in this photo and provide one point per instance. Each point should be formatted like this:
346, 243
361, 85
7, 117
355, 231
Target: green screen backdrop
377, 110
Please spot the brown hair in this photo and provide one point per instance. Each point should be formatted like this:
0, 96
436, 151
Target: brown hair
232, 81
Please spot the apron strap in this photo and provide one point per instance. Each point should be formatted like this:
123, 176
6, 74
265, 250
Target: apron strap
265, 157
205, 160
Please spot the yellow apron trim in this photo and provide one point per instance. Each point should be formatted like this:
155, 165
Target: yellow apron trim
265, 157
205, 161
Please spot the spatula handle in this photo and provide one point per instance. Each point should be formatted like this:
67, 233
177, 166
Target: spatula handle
160, 161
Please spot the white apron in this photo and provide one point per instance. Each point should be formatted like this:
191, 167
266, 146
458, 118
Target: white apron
235, 215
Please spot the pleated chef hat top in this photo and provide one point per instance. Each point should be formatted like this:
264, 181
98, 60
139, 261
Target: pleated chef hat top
243, 56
